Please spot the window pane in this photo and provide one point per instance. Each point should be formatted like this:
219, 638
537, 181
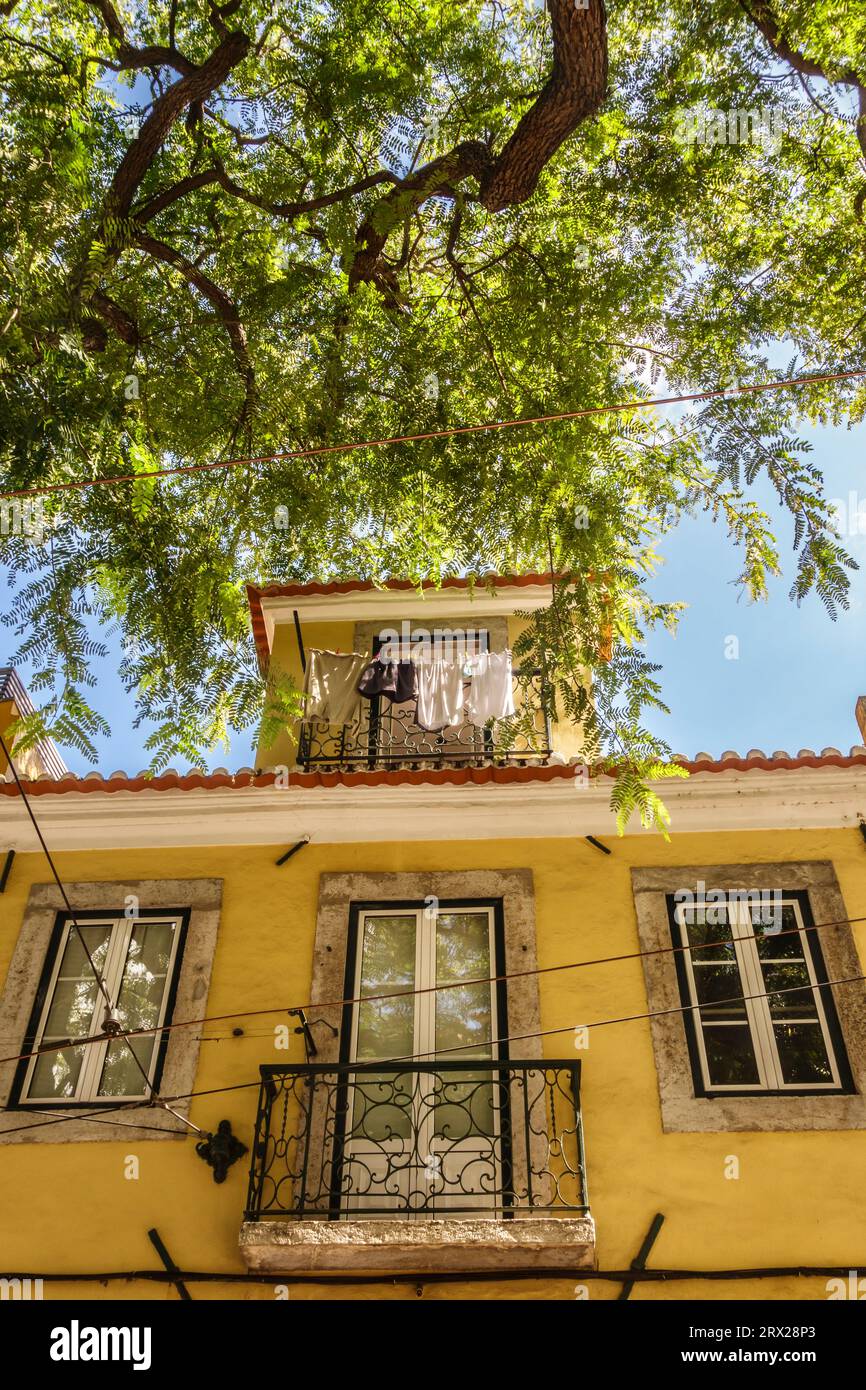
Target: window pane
120, 1074
71, 1008
730, 1055
703, 924
798, 1003
464, 1016
139, 1002
75, 961
784, 943
719, 991
70, 1014
802, 1053
382, 1104
144, 975
386, 1027
55, 1075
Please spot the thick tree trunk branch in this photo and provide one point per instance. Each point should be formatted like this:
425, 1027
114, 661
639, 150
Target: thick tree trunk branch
167, 109
438, 177
224, 308
575, 90
114, 230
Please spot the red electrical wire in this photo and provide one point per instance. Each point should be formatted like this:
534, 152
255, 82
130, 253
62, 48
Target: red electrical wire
446, 433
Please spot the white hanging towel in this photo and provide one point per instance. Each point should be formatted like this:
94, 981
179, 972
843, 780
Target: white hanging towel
330, 687
440, 694
491, 694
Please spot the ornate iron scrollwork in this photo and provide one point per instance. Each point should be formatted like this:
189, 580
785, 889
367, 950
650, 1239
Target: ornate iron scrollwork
435, 1139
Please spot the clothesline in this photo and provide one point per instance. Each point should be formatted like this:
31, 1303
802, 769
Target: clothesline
420, 657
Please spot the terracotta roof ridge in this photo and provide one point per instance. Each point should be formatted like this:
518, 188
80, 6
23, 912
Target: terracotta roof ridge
196, 779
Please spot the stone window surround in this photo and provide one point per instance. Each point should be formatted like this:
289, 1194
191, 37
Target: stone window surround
684, 1112
456, 1245
203, 896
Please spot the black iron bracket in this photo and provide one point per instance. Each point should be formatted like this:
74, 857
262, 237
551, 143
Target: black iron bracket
598, 845
305, 1026
7, 866
220, 1150
290, 852
156, 1241
642, 1255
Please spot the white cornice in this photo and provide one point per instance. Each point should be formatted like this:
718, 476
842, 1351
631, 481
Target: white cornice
799, 799
361, 604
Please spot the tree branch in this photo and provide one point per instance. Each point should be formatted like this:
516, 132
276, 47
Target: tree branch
153, 55
122, 323
218, 175
436, 178
146, 211
224, 308
166, 110
763, 16
575, 90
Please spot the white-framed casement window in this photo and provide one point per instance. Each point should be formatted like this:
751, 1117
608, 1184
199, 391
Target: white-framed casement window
759, 1015
137, 958
421, 1138
417, 951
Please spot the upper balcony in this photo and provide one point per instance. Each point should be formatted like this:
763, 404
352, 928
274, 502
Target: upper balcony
388, 735
290, 621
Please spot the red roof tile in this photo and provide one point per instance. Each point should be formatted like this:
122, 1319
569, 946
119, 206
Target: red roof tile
93, 783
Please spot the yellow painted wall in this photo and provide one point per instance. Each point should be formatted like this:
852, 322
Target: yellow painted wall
799, 1199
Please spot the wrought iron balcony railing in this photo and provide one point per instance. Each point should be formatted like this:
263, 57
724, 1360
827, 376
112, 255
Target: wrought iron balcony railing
387, 736
418, 1139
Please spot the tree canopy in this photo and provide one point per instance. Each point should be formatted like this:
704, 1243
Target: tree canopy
244, 229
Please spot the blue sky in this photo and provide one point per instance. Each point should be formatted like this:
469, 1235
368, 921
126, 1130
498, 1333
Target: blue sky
798, 674
793, 685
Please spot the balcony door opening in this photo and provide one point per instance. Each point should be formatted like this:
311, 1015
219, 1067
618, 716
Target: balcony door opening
390, 730
428, 1135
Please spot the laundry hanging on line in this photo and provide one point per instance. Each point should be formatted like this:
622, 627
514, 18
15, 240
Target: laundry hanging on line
396, 680
491, 691
440, 684
440, 695
331, 686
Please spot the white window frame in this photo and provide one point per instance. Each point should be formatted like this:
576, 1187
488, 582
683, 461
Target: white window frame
90, 1075
424, 1034
758, 1017
423, 1049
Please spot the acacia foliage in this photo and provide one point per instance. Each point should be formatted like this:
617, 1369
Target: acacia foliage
246, 229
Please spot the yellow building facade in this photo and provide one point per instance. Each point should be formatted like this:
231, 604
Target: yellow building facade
522, 1038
